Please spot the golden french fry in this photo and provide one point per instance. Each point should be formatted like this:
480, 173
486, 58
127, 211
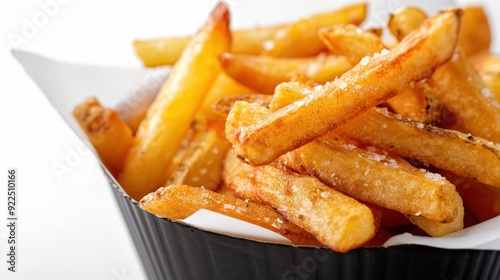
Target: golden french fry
223, 86
336, 220
362, 87
348, 40
437, 229
181, 201
166, 51
405, 19
475, 33
379, 179
109, 134
462, 154
264, 73
202, 163
300, 38
169, 117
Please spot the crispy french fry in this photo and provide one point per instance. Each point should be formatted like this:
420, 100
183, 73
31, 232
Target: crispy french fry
463, 92
264, 73
338, 221
166, 51
181, 201
224, 105
404, 20
202, 164
222, 87
349, 41
300, 38
109, 134
360, 88
475, 33
170, 116
368, 176
451, 150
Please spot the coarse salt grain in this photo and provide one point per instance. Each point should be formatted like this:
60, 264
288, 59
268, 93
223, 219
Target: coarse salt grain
228, 206
365, 60
343, 85
325, 194
268, 45
418, 213
433, 176
486, 92
420, 125
384, 52
348, 146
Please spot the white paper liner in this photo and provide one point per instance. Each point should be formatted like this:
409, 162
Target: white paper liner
66, 84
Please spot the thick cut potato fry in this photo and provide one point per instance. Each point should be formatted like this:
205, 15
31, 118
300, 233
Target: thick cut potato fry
451, 150
404, 20
348, 40
461, 89
416, 102
202, 164
336, 220
360, 88
475, 33
181, 201
169, 117
166, 51
222, 87
300, 39
264, 73
109, 134
368, 176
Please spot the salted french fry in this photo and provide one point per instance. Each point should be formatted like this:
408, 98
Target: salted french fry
416, 102
202, 163
405, 19
458, 85
349, 41
108, 133
376, 178
463, 154
169, 117
300, 38
364, 86
264, 73
181, 201
222, 87
475, 33
336, 220
166, 51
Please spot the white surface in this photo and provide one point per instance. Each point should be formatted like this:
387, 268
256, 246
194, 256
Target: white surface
69, 226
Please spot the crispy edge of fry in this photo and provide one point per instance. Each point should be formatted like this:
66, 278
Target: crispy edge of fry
353, 93
379, 179
338, 221
180, 201
108, 133
300, 39
264, 73
403, 20
162, 132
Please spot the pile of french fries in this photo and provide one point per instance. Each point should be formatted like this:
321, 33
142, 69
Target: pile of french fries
317, 129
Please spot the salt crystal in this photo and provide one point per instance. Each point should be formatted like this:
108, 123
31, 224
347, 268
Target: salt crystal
384, 52
348, 146
228, 206
486, 92
418, 213
343, 86
268, 45
399, 117
325, 194
365, 60
433, 176
420, 125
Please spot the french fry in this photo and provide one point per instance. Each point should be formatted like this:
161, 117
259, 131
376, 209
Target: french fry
300, 39
336, 220
166, 51
224, 105
264, 73
349, 41
362, 87
202, 164
380, 179
107, 132
451, 150
475, 33
406, 19
463, 92
181, 201
169, 117
223, 86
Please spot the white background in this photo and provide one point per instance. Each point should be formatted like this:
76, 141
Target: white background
69, 226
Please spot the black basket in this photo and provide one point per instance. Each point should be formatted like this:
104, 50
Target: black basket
171, 250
